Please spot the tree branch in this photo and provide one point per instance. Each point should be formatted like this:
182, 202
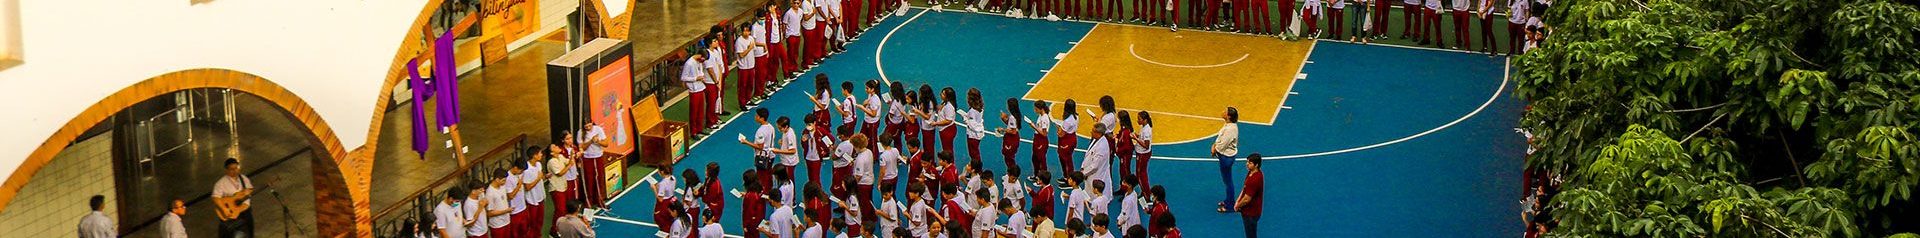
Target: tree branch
1764, 223
1716, 119
1699, 109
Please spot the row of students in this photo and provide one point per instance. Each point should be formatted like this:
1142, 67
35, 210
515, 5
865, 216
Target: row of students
510, 201
1369, 17
783, 40
855, 156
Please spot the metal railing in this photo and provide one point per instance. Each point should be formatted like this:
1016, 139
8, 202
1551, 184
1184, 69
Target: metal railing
417, 207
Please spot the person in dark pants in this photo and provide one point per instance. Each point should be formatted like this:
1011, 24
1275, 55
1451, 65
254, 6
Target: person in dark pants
1225, 145
232, 195
1252, 196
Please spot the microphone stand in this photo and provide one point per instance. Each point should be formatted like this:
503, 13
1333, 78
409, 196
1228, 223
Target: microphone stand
286, 213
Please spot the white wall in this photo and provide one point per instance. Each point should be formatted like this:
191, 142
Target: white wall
332, 53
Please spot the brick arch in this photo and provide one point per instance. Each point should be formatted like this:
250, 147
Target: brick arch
328, 182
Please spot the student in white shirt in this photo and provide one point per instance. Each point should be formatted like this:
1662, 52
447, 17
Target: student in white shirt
1461, 11
712, 229
984, 215
1432, 12
1129, 202
863, 179
1016, 226
558, 163
762, 144
1011, 187
475, 209
749, 85
534, 189
782, 223
1078, 198
792, 21
447, 220
813, 228
499, 205
1517, 14
1099, 226
789, 148
717, 67
944, 121
975, 119
919, 215
888, 213
693, 73
1069, 124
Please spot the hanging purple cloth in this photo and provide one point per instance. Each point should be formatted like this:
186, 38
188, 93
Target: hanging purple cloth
446, 81
420, 94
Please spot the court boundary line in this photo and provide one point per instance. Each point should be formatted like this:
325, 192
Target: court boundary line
1136, 55
1505, 78
1056, 63
1410, 47
1203, 29
646, 224
1288, 92
1096, 26
882, 47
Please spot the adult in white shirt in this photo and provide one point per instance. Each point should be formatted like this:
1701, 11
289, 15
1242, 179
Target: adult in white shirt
96, 224
173, 228
1099, 162
1225, 146
232, 198
864, 181
447, 220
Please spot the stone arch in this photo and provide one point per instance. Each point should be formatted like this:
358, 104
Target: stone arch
329, 182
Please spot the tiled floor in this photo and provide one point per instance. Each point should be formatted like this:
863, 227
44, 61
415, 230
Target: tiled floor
271, 148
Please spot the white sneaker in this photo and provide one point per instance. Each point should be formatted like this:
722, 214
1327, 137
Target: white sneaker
1051, 17
940, 8
972, 9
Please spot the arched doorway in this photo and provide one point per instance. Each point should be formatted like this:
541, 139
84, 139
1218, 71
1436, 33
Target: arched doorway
310, 151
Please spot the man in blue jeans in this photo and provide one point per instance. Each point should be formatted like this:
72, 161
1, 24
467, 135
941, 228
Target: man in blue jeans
1252, 196
1225, 146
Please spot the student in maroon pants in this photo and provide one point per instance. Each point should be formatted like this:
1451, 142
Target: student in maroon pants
1069, 124
1252, 196
753, 207
1010, 133
1143, 148
1461, 14
1486, 26
1410, 12
1041, 123
1380, 20
1286, 15
1260, 18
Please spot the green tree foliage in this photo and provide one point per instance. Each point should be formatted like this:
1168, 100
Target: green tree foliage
1660, 113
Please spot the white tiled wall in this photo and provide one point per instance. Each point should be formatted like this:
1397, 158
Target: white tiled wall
53, 202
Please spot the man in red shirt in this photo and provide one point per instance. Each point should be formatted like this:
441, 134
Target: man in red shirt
1252, 196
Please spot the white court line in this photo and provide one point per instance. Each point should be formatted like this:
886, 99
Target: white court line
1408, 47
883, 45
1304, 60
645, 224
1136, 55
1056, 63
1504, 79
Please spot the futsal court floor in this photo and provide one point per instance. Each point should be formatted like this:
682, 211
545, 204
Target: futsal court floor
1360, 140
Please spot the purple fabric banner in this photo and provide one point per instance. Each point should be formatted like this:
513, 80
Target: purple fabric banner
420, 95
446, 80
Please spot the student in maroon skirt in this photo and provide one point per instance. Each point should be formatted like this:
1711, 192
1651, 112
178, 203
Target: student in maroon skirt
929, 115
1011, 120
